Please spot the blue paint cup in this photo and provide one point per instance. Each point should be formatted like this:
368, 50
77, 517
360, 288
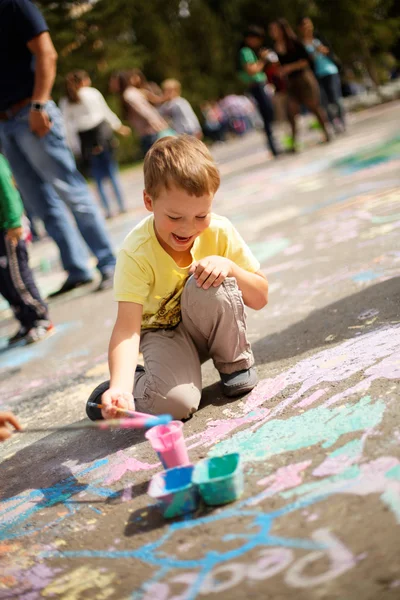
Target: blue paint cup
174, 491
219, 479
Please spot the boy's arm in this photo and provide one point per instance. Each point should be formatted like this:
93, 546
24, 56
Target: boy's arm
9, 197
254, 287
213, 270
122, 358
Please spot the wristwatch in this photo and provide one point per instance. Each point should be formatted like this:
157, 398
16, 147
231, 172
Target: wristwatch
38, 106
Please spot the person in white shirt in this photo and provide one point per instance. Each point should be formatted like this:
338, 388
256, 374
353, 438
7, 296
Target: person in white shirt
90, 126
178, 111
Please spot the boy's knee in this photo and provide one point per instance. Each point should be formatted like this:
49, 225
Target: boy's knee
183, 400
192, 294
180, 401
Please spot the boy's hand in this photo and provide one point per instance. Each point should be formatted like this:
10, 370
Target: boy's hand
14, 235
115, 398
211, 271
7, 418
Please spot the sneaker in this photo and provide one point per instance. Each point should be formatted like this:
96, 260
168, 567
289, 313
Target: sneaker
93, 412
39, 332
107, 280
71, 284
238, 383
19, 336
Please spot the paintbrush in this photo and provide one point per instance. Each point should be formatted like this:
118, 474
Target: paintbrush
132, 423
123, 411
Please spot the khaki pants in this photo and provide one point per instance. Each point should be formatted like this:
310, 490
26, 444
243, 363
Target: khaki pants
213, 326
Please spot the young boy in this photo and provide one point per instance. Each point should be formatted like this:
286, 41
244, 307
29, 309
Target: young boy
178, 111
16, 280
182, 280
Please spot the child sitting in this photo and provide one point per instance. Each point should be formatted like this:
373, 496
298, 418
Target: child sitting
183, 278
178, 111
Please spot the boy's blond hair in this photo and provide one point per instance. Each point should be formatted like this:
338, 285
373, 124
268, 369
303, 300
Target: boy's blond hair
172, 83
182, 161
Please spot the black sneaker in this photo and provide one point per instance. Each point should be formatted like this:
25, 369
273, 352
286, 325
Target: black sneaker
107, 280
19, 336
93, 412
238, 383
70, 284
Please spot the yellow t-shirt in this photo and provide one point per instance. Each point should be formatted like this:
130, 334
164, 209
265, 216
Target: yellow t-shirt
148, 275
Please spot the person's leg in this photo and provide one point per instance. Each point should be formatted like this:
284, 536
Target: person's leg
326, 102
338, 98
41, 200
216, 321
266, 110
292, 113
97, 170
170, 383
113, 174
310, 98
319, 112
52, 160
19, 289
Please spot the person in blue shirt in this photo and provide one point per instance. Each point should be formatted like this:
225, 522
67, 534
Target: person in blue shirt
32, 139
251, 64
326, 72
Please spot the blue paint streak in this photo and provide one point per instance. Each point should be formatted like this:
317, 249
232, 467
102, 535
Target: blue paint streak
96, 510
61, 493
365, 276
20, 355
258, 536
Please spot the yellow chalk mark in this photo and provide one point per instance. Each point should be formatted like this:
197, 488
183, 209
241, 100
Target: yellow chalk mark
76, 584
328, 364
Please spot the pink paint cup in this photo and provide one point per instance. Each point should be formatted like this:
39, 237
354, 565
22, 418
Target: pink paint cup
169, 443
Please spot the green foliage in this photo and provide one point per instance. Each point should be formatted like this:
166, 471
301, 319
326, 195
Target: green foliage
196, 41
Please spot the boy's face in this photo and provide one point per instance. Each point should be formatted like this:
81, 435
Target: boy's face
178, 217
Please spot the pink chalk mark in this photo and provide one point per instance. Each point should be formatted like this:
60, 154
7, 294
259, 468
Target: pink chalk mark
219, 429
126, 494
333, 364
313, 517
293, 249
311, 399
334, 465
283, 479
127, 464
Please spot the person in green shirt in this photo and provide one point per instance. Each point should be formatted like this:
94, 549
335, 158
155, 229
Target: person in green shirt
16, 279
251, 63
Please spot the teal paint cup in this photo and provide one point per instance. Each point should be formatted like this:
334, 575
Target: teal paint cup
219, 479
174, 491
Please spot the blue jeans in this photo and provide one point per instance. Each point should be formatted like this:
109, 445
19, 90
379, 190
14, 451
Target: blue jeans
331, 95
266, 111
46, 174
104, 166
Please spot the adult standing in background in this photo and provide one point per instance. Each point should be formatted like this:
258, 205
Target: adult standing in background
302, 87
136, 107
32, 138
90, 123
251, 64
326, 72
